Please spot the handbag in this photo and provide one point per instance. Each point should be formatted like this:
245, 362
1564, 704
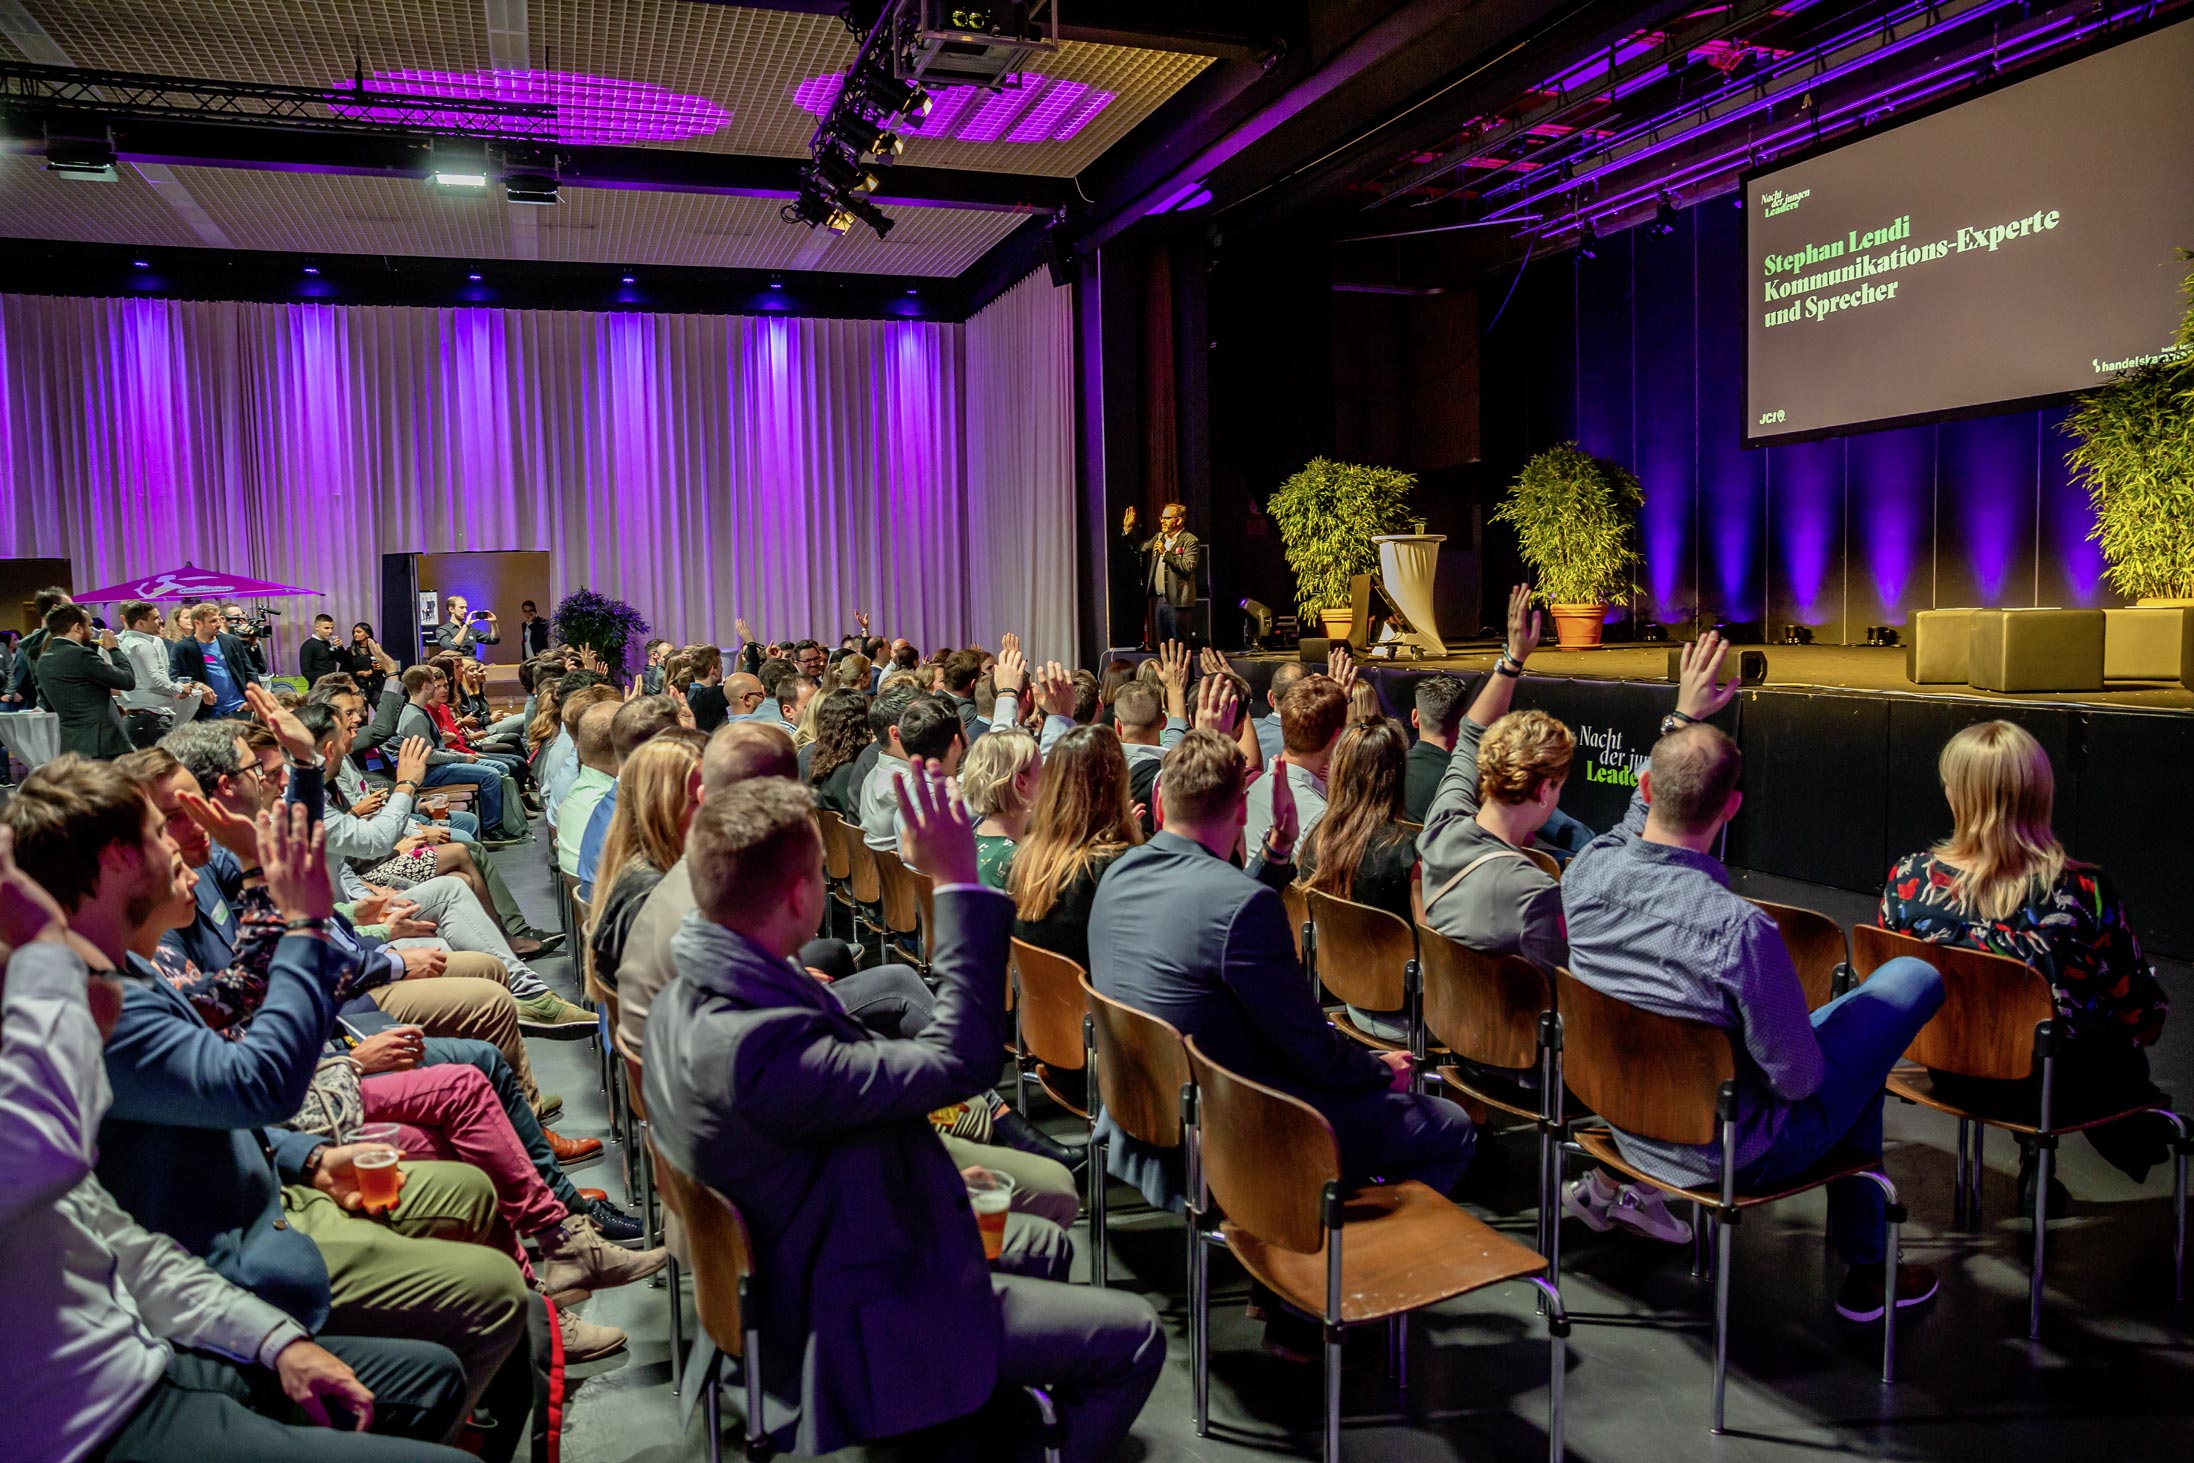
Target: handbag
335, 1107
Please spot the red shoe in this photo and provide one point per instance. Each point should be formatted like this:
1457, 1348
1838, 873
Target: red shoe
594, 1195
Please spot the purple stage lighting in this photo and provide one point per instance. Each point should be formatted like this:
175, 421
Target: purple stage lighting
588, 109
1040, 110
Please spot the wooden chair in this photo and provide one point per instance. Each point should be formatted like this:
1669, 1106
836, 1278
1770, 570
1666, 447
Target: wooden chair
1816, 945
1674, 1080
1369, 960
1139, 1073
1547, 863
866, 887
1998, 1021
723, 1294
1498, 1011
1053, 1021
902, 907
1357, 1257
1298, 923
837, 865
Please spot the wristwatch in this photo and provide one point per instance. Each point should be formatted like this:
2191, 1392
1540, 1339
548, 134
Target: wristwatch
1676, 721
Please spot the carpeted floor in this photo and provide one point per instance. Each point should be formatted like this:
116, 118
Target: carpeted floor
2110, 1379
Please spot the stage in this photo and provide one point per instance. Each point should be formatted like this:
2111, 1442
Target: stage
1840, 753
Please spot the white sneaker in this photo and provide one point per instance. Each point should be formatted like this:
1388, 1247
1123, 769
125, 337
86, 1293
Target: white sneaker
1643, 1211
1588, 1201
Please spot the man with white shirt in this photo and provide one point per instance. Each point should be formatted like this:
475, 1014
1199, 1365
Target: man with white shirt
1269, 736
1312, 718
170, 701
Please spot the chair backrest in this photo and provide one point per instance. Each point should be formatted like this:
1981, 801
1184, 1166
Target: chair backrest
861, 875
722, 1255
1484, 1008
1298, 914
1051, 1006
837, 862
1991, 1005
1546, 862
1650, 1075
635, 1094
1141, 1068
1816, 945
902, 912
1361, 952
1267, 1156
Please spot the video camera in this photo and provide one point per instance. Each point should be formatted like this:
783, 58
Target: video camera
257, 625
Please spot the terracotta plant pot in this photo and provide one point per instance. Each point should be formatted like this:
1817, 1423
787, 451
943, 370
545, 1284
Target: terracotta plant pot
1576, 626
1338, 622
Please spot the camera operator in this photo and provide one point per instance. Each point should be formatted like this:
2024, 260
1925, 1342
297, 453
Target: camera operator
462, 627
252, 630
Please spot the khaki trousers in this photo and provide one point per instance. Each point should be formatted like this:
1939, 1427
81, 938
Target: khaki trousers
466, 1002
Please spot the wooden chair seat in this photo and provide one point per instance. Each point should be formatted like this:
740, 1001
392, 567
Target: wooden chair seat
1403, 1247
1346, 1025
1502, 1094
1363, 953
1073, 1096
1845, 1163
1917, 1084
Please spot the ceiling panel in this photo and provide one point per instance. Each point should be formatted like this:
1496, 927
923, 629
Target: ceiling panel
326, 213
750, 62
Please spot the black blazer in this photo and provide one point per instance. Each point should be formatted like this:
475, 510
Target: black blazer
80, 681
187, 660
536, 633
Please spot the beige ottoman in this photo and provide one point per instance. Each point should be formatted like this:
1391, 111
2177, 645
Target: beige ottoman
1937, 645
2149, 643
2036, 650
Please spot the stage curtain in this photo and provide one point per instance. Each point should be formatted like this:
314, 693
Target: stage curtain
700, 466
1020, 468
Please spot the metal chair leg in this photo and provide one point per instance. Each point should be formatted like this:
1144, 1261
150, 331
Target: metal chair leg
2045, 1154
757, 1440
677, 1332
1050, 1416
1199, 1345
1332, 1453
1957, 1189
1893, 1218
1724, 1233
2180, 1152
1980, 1176
1557, 1336
1099, 1270
712, 1408
1701, 1237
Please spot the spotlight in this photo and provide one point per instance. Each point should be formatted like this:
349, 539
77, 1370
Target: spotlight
456, 166
776, 284
455, 179
912, 290
892, 97
535, 188
312, 269
1588, 243
473, 277
81, 159
867, 213
625, 279
1664, 218
867, 139
843, 174
1256, 624
141, 263
816, 208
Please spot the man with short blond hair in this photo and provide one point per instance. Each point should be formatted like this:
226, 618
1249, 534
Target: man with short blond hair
1313, 715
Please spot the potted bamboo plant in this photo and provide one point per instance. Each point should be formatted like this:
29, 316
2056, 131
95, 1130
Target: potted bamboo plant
1576, 522
2136, 459
1327, 514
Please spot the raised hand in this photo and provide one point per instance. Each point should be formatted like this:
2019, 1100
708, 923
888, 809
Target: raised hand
1012, 672
1699, 693
860, 618
1216, 705
233, 831
1341, 665
744, 631
1055, 690
292, 852
287, 729
939, 836
1173, 666
1280, 842
1127, 520
1524, 624
411, 760
1214, 662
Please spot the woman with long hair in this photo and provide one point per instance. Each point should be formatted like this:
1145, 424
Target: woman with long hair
658, 791
1359, 851
2001, 882
369, 665
841, 731
548, 718
1000, 777
1083, 820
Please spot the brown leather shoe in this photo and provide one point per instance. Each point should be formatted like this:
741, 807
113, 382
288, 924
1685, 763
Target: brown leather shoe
590, 1195
571, 1152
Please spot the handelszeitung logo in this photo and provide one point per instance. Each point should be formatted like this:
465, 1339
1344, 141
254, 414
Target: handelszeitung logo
1781, 202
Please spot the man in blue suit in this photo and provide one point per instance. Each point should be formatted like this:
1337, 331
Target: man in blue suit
1178, 931
877, 1312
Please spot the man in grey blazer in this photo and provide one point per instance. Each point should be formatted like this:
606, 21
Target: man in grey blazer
877, 1312
79, 678
1169, 560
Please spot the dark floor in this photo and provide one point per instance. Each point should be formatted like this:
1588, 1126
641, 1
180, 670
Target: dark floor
2110, 1379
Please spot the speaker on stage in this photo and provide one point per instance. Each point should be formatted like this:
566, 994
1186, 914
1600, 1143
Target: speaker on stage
1313, 648
1751, 666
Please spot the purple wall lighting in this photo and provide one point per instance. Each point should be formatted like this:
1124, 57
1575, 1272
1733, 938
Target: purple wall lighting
1806, 500
588, 109
2067, 518
1041, 109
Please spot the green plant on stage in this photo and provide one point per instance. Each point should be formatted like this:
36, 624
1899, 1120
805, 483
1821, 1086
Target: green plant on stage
1576, 522
2136, 459
602, 624
1327, 514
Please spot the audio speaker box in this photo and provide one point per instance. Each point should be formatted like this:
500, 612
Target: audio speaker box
1313, 648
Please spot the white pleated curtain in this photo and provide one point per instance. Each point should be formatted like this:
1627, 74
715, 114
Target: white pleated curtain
702, 467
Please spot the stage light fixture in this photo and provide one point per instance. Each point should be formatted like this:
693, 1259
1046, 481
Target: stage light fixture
141, 263
534, 188
312, 269
843, 174
1588, 243
1664, 218
893, 98
624, 279
473, 277
867, 213
459, 165
865, 138
81, 159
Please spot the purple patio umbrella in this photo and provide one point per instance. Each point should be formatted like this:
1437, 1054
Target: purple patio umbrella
191, 582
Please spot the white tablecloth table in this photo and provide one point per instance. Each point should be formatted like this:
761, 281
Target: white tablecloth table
31, 737
1407, 564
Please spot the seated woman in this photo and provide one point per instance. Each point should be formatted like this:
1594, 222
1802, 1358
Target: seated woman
1084, 819
841, 732
2002, 883
1359, 850
1000, 777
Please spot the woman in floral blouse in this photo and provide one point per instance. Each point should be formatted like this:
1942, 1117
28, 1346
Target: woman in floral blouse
2002, 883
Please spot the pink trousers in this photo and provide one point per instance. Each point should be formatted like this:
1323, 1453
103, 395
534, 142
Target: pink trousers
451, 1112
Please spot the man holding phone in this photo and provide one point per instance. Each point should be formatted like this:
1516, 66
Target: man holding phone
464, 628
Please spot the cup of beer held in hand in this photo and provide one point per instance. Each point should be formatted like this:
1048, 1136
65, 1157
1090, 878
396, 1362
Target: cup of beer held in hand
990, 1194
376, 1167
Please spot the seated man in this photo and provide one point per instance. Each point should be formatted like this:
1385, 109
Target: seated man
191, 1147
119, 1344
597, 775
1312, 718
761, 1086
423, 690
630, 728
1652, 921
879, 803
1180, 933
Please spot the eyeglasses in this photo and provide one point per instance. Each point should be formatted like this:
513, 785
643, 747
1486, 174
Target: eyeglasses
249, 768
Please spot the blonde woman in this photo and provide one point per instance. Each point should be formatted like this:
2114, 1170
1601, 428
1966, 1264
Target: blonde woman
852, 672
2001, 882
1083, 820
1000, 777
658, 790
